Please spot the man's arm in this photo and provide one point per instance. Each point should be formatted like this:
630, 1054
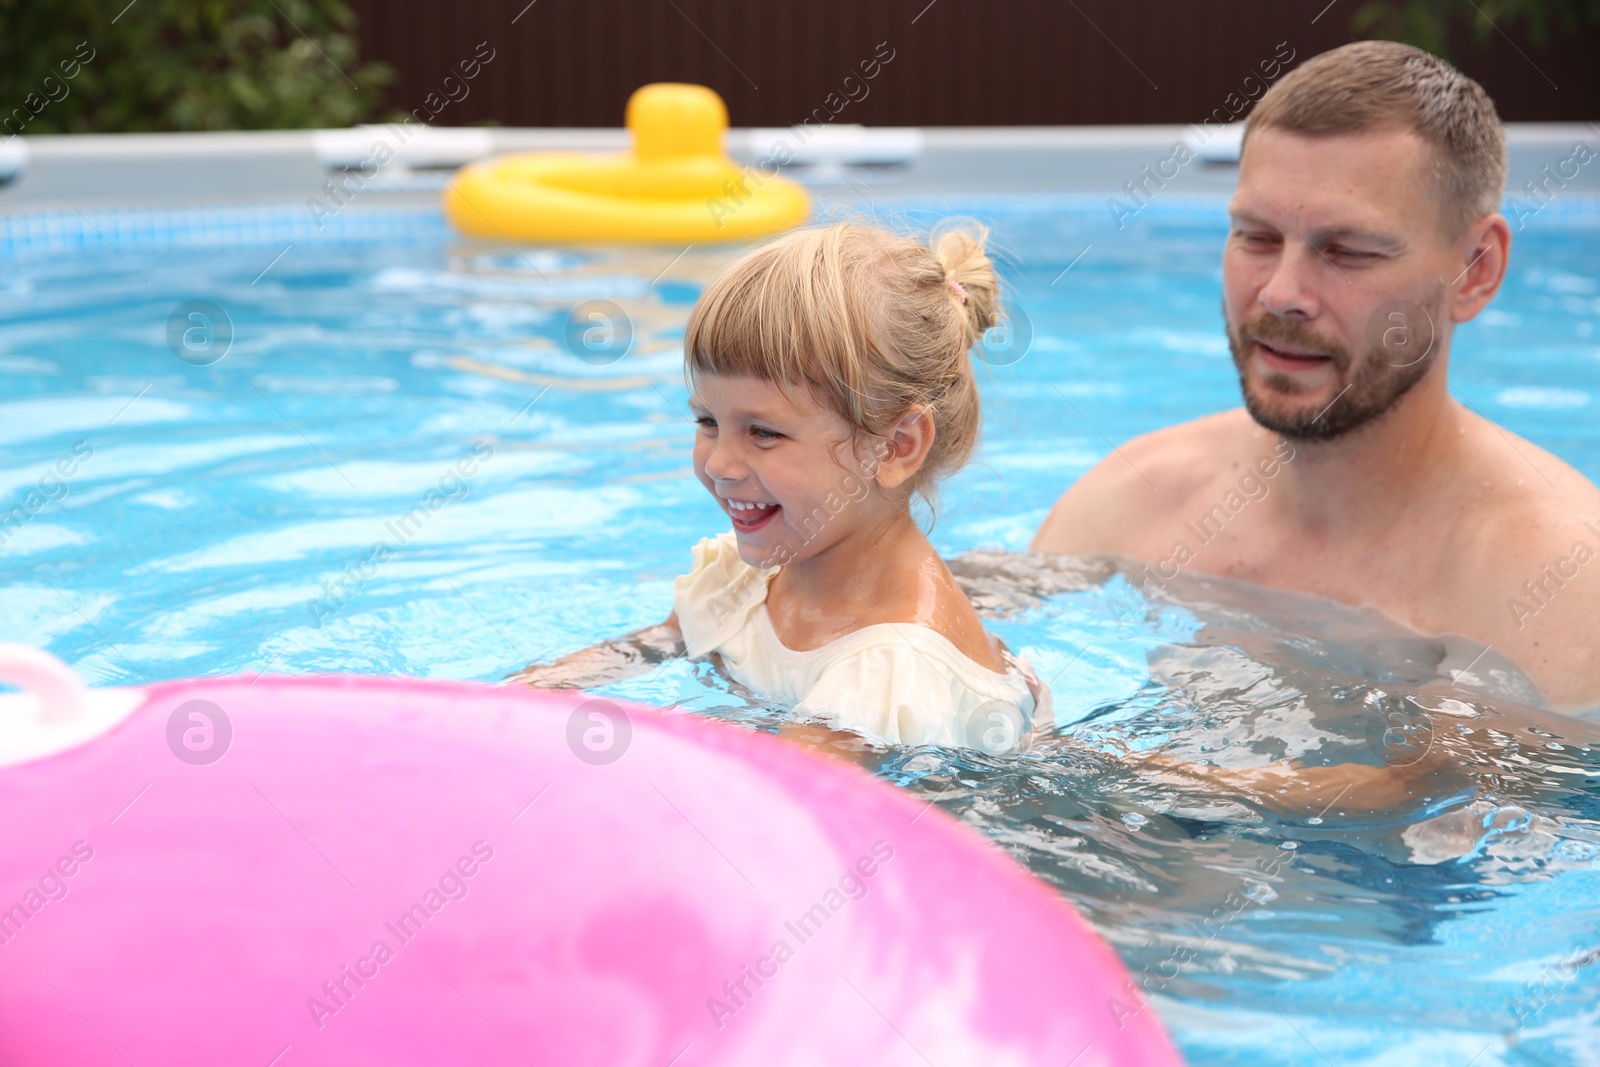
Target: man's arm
1549, 630
1527, 564
1469, 743
1527, 582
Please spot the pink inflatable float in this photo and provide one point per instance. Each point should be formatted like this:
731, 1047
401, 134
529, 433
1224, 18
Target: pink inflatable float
365, 871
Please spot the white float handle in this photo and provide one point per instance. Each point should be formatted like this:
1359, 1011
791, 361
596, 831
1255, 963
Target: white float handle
61, 695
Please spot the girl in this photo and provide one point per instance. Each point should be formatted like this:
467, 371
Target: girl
831, 383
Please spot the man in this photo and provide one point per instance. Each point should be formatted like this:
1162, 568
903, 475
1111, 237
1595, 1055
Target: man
1365, 226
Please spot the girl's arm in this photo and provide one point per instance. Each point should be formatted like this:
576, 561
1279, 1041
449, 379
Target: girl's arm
836, 744
609, 661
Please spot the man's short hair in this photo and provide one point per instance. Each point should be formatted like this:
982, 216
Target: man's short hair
1370, 86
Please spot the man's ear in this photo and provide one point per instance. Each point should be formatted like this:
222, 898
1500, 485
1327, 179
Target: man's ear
1484, 254
904, 447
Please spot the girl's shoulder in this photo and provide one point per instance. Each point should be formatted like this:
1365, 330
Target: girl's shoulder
909, 684
719, 595
913, 642
954, 618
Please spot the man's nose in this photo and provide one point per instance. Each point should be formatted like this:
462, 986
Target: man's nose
1291, 291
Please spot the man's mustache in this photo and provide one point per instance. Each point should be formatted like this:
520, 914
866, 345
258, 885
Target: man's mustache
1275, 331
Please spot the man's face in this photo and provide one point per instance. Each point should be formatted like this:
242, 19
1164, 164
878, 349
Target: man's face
1335, 278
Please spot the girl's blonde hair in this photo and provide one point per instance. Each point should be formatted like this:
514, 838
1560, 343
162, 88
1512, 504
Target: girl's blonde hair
874, 323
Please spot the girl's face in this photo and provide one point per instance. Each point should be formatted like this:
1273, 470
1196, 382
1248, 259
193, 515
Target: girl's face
783, 469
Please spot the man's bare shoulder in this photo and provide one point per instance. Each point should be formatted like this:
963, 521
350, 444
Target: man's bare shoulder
1142, 481
1539, 601
1523, 502
1531, 563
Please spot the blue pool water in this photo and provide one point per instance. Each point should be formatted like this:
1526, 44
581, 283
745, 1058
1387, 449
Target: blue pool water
180, 516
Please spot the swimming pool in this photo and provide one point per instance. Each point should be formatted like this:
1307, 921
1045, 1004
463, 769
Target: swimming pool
203, 496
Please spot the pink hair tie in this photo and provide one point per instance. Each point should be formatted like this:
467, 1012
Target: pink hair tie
955, 287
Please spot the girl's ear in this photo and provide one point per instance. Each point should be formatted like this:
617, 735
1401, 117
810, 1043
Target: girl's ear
904, 448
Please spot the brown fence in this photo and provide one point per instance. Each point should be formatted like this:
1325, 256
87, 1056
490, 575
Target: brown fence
954, 62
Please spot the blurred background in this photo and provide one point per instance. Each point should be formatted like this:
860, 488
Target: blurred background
276, 64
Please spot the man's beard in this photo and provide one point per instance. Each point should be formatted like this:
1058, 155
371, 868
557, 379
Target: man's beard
1380, 380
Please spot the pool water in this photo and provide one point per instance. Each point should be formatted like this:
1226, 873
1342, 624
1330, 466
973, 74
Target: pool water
198, 496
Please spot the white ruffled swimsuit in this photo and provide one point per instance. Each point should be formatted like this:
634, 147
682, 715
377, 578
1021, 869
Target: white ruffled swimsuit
901, 683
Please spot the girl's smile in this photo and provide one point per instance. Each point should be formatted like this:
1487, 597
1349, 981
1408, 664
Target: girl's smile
749, 516
776, 466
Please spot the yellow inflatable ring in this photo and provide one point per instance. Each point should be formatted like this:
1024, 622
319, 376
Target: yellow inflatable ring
676, 186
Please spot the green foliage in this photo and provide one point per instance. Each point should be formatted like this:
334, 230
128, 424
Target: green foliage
1427, 23
182, 65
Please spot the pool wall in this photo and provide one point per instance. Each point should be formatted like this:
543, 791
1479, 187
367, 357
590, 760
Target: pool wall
84, 172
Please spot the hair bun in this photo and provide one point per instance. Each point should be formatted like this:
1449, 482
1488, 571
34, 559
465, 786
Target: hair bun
970, 277
871, 322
